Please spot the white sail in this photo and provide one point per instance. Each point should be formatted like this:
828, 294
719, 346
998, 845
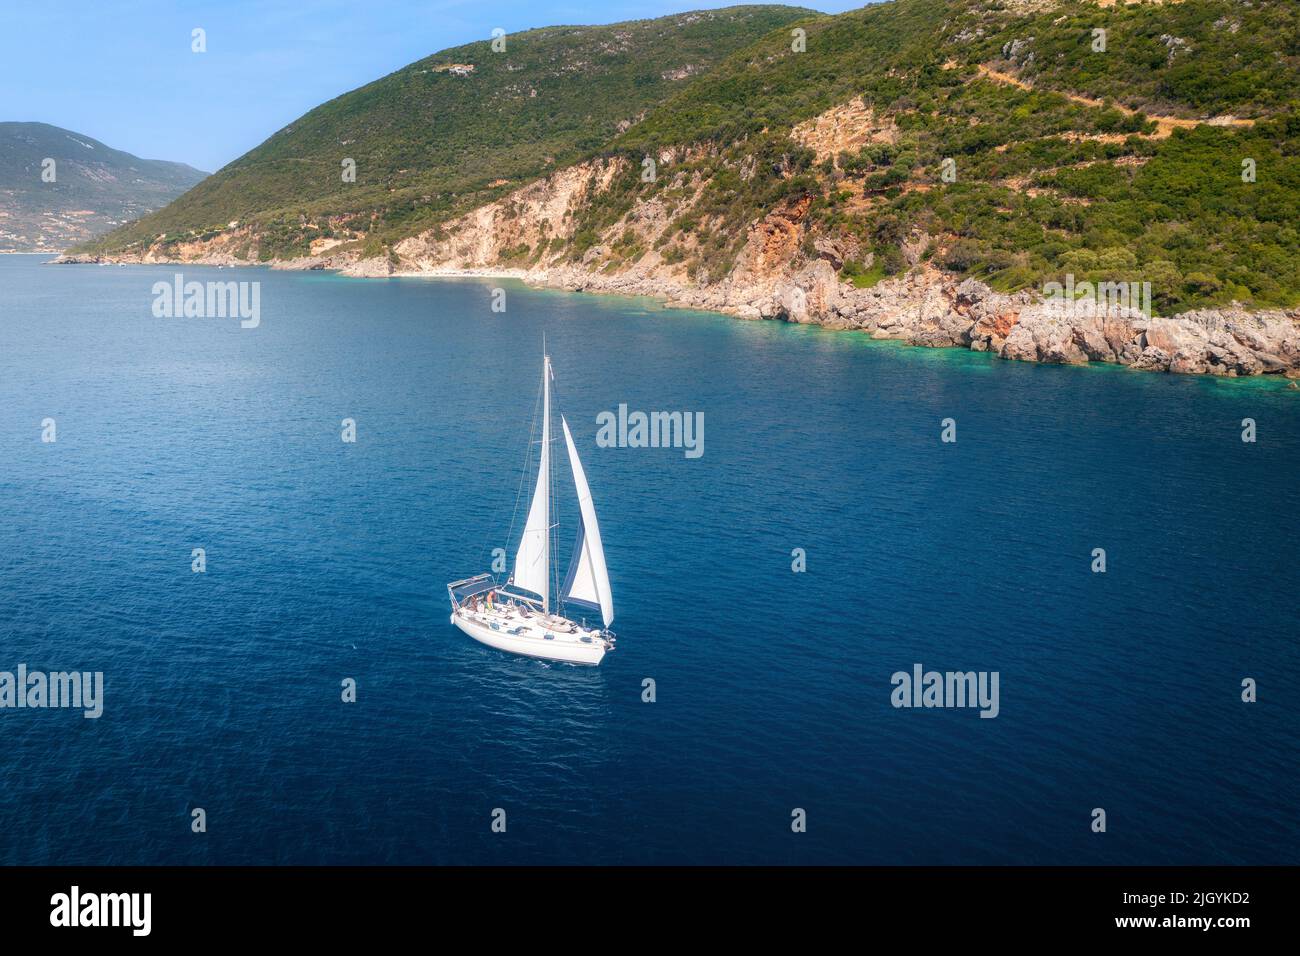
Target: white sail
588, 579
533, 559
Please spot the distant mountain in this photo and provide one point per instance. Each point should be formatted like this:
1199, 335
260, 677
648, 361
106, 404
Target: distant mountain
94, 188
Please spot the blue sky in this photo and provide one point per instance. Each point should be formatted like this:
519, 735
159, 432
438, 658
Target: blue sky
122, 72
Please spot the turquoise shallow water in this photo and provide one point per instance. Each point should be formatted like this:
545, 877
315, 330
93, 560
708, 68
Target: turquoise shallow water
328, 560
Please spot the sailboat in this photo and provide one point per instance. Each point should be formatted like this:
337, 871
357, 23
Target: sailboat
519, 616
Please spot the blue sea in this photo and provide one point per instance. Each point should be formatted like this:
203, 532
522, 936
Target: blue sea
329, 560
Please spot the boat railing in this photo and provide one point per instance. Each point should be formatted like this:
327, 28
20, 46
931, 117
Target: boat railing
470, 587
507, 591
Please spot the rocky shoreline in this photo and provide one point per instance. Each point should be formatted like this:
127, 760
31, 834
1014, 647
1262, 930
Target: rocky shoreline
928, 309
922, 308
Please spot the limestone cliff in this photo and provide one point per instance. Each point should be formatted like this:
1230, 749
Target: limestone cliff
527, 234
774, 279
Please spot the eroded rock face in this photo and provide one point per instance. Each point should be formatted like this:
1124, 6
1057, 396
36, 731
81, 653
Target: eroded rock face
539, 212
838, 250
845, 128
1153, 358
780, 274
927, 308
812, 295
1043, 338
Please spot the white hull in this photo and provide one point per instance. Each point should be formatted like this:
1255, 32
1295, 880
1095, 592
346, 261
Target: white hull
533, 636
501, 616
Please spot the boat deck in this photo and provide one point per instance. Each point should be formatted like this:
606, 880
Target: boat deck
511, 621
533, 634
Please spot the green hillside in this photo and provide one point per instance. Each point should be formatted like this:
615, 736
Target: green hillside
1123, 164
1044, 183
429, 141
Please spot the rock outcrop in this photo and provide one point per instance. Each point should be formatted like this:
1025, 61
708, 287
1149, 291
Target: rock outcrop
527, 234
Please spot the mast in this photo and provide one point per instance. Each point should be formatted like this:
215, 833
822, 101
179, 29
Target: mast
545, 477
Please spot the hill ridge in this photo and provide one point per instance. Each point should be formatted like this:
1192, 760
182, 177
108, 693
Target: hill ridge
59, 187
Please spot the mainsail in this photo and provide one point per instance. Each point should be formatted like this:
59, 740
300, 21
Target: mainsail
532, 560
587, 582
